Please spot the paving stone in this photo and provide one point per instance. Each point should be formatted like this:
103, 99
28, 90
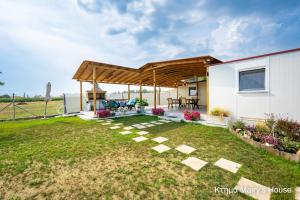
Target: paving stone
140, 139
100, 120
142, 132
125, 132
228, 165
136, 125
109, 120
158, 123
160, 139
106, 123
164, 121
297, 193
145, 123
253, 189
150, 125
153, 122
118, 124
114, 127
128, 128
194, 163
161, 148
185, 149
141, 127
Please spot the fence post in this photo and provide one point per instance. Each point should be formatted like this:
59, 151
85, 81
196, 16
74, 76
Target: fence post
14, 107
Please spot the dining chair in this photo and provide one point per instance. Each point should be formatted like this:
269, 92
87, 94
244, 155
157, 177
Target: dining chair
170, 102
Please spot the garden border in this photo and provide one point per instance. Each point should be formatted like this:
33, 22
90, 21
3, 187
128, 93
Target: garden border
285, 155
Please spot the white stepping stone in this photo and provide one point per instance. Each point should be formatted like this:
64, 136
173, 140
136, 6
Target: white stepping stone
141, 127
100, 120
161, 148
140, 139
194, 163
297, 193
107, 123
253, 189
153, 122
125, 132
142, 132
109, 120
228, 165
118, 124
185, 149
136, 125
158, 123
145, 123
128, 128
114, 127
160, 139
150, 125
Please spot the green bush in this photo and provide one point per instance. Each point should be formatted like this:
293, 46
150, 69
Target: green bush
142, 102
239, 124
287, 145
33, 99
219, 112
288, 128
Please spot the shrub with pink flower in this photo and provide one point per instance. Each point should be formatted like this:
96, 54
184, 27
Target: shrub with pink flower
103, 113
191, 115
269, 139
158, 111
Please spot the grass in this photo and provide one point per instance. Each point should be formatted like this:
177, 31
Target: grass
68, 158
37, 108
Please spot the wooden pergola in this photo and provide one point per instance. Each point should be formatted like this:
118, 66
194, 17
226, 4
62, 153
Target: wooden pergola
169, 73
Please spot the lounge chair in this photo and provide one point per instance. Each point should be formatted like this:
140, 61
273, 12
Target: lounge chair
131, 103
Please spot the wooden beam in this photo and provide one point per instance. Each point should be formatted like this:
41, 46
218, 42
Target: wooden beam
128, 91
154, 85
94, 90
80, 95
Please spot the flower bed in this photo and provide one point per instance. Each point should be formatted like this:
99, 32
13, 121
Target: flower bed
191, 115
103, 113
158, 111
280, 136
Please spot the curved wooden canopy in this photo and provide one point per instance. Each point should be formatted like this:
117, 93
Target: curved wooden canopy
168, 73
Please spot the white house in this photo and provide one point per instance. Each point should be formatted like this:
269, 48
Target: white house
252, 87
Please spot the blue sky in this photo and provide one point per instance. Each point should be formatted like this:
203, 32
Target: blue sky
47, 40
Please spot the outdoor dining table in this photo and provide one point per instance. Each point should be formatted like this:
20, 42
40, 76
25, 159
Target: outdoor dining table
193, 102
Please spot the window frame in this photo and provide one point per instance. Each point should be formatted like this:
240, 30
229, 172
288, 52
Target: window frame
192, 88
266, 89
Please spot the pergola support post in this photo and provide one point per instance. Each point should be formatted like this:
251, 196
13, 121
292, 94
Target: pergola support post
128, 92
177, 91
94, 90
158, 95
154, 85
141, 91
207, 90
80, 95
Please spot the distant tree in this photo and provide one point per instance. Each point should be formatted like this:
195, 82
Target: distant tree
4, 96
1, 83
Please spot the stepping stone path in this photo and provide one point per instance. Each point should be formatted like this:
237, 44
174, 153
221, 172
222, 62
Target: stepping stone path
160, 139
125, 132
253, 189
146, 123
136, 125
165, 121
228, 165
142, 132
297, 193
140, 139
158, 123
185, 149
194, 163
100, 120
128, 128
114, 127
119, 124
161, 148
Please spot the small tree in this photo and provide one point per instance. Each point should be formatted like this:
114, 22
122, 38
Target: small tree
1, 83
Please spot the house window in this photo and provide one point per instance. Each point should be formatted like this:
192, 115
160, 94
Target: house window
252, 80
192, 91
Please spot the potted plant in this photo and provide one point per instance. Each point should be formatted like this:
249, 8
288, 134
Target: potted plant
191, 115
122, 110
158, 111
141, 103
218, 116
103, 113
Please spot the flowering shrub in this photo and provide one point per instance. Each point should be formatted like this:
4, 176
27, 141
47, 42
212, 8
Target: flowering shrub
103, 113
158, 111
270, 140
193, 116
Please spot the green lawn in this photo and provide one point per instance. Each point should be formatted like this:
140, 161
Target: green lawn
68, 158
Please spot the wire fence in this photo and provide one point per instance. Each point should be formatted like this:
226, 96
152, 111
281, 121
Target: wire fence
29, 109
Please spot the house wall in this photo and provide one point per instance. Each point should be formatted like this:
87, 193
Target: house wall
281, 98
183, 91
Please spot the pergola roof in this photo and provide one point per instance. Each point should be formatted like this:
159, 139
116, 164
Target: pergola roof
167, 73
